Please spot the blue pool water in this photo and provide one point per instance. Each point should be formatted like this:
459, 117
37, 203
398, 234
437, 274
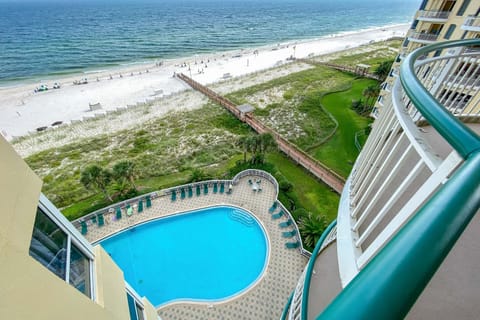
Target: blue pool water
207, 255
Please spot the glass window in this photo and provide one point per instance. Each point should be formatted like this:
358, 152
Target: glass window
79, 271
50, 247
49, 244
136, 310
464, 6
449, 32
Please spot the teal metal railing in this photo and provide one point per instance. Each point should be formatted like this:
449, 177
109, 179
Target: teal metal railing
389, 285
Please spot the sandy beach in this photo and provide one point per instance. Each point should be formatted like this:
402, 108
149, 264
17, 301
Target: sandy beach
23, 111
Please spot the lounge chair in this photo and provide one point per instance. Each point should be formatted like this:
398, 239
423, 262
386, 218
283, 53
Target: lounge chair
215, 187
148, 201
84, 227
94, 220
292, 245
129, 211
198, 190
277, 215
285, 224
101, 220
273, 207
118, 214
140, 206
289, 234
190, 192
250, 182
205, 188
174, 195
182, 193
222, 187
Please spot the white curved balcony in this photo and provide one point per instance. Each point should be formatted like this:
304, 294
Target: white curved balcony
433, 16
405, 159
423, 37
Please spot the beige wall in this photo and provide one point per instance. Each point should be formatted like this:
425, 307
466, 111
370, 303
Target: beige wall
28, 290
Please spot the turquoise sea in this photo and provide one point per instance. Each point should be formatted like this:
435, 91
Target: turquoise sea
55, 37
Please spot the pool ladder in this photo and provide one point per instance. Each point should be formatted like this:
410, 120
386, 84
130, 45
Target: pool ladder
242, 217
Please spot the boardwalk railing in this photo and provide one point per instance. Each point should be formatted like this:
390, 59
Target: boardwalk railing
355, 70
319, 170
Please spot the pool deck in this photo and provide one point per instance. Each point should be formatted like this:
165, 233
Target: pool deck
268, 297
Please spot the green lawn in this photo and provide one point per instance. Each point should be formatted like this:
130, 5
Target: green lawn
312, 195
339, 153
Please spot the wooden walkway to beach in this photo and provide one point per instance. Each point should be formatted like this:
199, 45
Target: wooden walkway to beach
355, 70
315, 167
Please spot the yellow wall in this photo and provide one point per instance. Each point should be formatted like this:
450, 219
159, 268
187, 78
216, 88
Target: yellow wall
28, 290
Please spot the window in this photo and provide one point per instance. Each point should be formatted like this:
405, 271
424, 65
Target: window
423, 5
136, 310
53, 247
414, 24
449, 32
462, 9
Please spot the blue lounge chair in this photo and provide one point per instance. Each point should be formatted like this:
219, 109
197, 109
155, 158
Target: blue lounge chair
289, 234
292, 245
273, 207
190, 192
174, 195
94, 220
118, 214
182, 193
278, 215
215, 187
148, 201
285, 224
222, 187
84, 227
205, 188
140, 206
101, 221
198, 190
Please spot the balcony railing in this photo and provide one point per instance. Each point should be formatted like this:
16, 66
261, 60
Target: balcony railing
433, 15
403, 190
398, 202
471, 23
423, 37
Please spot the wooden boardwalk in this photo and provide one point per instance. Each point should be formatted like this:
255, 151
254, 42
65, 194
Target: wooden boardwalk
358, 71
315, 167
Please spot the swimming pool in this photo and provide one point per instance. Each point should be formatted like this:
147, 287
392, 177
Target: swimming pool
205, 255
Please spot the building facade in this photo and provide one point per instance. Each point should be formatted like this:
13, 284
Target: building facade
435, 21
47, 268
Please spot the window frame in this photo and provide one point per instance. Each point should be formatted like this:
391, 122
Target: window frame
73, 236
136, 299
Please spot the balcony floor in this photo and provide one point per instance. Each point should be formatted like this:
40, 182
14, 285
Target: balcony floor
454, 290
325, 282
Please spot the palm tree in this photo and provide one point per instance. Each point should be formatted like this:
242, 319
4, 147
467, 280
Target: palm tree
244, 143
311, 228
370, 93
383, 69
267, 142
125, 170
95, 177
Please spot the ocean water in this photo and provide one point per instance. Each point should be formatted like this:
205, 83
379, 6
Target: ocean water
40, 38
